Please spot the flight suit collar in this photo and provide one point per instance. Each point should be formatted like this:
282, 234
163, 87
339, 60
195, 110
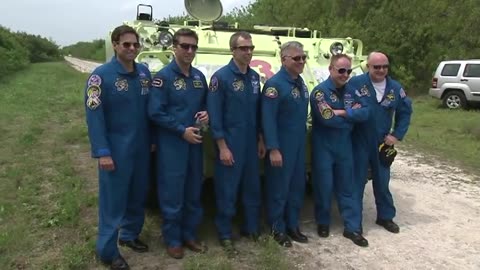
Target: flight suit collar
331, 85
284, 73
174, 66
235, 68
121, 70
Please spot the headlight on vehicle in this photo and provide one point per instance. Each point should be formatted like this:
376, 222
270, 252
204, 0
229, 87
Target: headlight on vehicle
336, 48
165, 38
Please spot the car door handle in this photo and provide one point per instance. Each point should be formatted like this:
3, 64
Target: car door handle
464, 80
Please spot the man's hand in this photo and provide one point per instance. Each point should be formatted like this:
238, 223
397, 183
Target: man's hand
390, 139
276, 158
226, 157
203, 117
340, 112
191, 136
106, 163
357, 106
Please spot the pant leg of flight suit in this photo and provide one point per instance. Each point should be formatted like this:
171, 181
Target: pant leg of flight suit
172, 161
134, 218
227, 180
277, 185
383, 197
344, 187
296, 188
193, 211
361, 161
113, 195
322, 181
250, 185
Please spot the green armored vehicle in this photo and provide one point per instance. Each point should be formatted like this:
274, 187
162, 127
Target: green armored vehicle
214, 52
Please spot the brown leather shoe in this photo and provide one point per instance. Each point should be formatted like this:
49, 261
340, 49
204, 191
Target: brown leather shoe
196, 246
175, 252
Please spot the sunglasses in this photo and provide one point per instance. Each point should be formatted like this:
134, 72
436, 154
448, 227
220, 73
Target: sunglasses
298, 57
245, 48
187, 46
380, 66
343, 70
127, 45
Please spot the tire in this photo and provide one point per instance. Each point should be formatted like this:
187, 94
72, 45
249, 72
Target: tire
454, 100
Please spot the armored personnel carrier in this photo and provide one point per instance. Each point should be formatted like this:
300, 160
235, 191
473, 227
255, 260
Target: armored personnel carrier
156, 38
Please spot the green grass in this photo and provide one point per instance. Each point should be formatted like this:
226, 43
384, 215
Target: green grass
42, 195
446, 135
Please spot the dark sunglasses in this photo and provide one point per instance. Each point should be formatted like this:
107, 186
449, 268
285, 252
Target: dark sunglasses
380, 66
127, 45
298, 57
245, 48
187, 46
343, 70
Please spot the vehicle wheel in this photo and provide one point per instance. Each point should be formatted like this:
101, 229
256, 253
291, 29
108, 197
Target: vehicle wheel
455, 100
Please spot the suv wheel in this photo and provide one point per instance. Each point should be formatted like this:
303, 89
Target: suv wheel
455, 100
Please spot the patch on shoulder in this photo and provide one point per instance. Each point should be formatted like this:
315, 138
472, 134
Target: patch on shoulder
319, 96
94, 91
402, 93
271, 92
93, 102
94, 80
213, 84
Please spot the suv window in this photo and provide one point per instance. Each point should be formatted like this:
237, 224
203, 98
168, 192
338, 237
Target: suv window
450, 69
472, 70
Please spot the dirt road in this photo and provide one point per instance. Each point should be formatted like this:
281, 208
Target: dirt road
438, 211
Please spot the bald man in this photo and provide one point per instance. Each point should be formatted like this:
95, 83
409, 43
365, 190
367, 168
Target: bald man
388, 103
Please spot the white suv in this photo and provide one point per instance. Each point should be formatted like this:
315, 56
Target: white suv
457, 83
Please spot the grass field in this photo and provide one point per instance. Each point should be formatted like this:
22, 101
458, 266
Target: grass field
48, 183
449, 136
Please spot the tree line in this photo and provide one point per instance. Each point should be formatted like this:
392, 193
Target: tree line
415, 34
19, 49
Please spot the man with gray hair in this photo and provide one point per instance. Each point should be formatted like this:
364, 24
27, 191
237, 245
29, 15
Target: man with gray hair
284, 108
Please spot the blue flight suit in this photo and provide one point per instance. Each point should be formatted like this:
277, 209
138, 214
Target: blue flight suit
173, 103
233, 105
118, 126
332, 153
367, 137
284, 109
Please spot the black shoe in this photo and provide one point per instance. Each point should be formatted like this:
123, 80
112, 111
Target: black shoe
282, 239
136, 245
118, 263
297, 236
252, 236
357, 238
323, 230
229, 248
389, 225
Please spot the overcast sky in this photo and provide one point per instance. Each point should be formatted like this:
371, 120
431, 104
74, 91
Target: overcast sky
70, 21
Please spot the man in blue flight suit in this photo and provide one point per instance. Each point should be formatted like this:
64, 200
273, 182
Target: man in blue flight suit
335, 107
233, 105
386, 100
116, 99
177, 102
284, 109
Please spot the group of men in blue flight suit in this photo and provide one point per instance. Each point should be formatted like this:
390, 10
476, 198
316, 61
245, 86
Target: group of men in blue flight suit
127, 112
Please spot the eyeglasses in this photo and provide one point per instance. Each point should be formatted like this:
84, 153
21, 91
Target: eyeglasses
343, 70
127, 45
297, 58
380, 66
187, 46
245, 48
